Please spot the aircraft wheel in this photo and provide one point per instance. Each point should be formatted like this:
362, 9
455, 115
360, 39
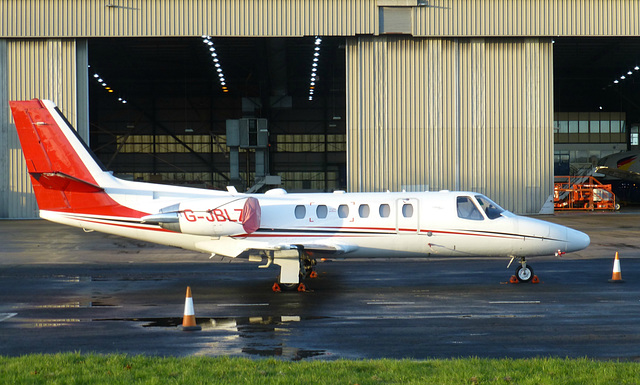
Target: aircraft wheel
289, 286
524, 273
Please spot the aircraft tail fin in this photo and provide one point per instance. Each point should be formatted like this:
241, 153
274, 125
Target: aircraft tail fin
65, 174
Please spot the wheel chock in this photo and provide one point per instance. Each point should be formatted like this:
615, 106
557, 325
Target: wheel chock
313, 274
535, 279
514, 279
276, 288
302, 287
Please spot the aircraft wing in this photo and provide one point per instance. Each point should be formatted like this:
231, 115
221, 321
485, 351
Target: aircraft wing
619, 173
234, 246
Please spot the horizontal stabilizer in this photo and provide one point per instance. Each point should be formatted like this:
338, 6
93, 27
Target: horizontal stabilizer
63, 182
171, 217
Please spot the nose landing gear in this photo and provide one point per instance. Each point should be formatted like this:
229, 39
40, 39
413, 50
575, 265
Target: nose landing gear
524, 272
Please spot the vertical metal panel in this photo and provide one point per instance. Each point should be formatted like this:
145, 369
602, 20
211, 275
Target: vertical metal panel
5, 169
470, 114
528, 18
44, 69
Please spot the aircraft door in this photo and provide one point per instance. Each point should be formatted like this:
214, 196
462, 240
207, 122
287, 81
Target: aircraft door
407, 216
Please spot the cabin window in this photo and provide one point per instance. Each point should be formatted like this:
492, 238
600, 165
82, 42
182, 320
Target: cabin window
467, 210
300, 211
321, 211
343, 211
363, 210
490, 208
385, 210
407, 210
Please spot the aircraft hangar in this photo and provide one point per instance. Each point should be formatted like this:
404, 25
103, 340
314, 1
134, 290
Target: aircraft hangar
368, 95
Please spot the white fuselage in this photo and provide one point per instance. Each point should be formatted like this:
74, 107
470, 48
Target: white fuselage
406, 224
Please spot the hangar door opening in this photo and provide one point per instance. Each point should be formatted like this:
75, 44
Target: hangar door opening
159, 110
597, 109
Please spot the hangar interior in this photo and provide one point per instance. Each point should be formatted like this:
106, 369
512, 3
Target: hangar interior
172, 128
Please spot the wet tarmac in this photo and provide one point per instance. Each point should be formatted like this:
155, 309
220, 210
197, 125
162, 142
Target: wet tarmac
63, 290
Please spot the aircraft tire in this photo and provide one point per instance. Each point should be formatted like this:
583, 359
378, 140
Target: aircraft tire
524, 273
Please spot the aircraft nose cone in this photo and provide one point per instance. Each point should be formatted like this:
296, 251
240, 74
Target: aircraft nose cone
577, 240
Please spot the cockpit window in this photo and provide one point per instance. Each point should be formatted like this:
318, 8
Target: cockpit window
490, 208
468, 210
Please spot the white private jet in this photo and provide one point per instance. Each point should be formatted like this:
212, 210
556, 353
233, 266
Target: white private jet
289, 230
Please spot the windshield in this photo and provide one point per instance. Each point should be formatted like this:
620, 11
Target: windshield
490, 208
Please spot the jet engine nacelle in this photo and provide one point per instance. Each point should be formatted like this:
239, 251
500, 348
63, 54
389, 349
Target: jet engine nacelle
212, 217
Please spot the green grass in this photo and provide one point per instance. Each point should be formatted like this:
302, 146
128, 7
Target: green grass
70, 368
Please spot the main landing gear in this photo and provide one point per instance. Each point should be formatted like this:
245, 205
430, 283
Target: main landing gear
524, 272
295, 266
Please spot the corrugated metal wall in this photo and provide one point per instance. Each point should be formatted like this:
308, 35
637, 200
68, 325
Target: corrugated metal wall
468, 18
469, 114
82, 18
528, 18
44, 69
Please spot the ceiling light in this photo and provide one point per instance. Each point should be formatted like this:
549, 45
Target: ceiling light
629, 73
96, 75
622, 77
315, 59
316, 54
616, 81
636, 68
100, 80
217, 65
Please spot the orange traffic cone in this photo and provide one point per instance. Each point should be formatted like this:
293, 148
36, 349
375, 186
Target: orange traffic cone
616, 277
189, 319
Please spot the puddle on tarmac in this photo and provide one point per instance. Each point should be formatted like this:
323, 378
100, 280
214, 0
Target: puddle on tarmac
261, 336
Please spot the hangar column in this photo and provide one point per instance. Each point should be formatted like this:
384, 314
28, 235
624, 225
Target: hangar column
473, 113
5, 170
31, 68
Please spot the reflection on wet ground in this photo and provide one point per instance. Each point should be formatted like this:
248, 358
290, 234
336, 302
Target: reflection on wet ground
259, 336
